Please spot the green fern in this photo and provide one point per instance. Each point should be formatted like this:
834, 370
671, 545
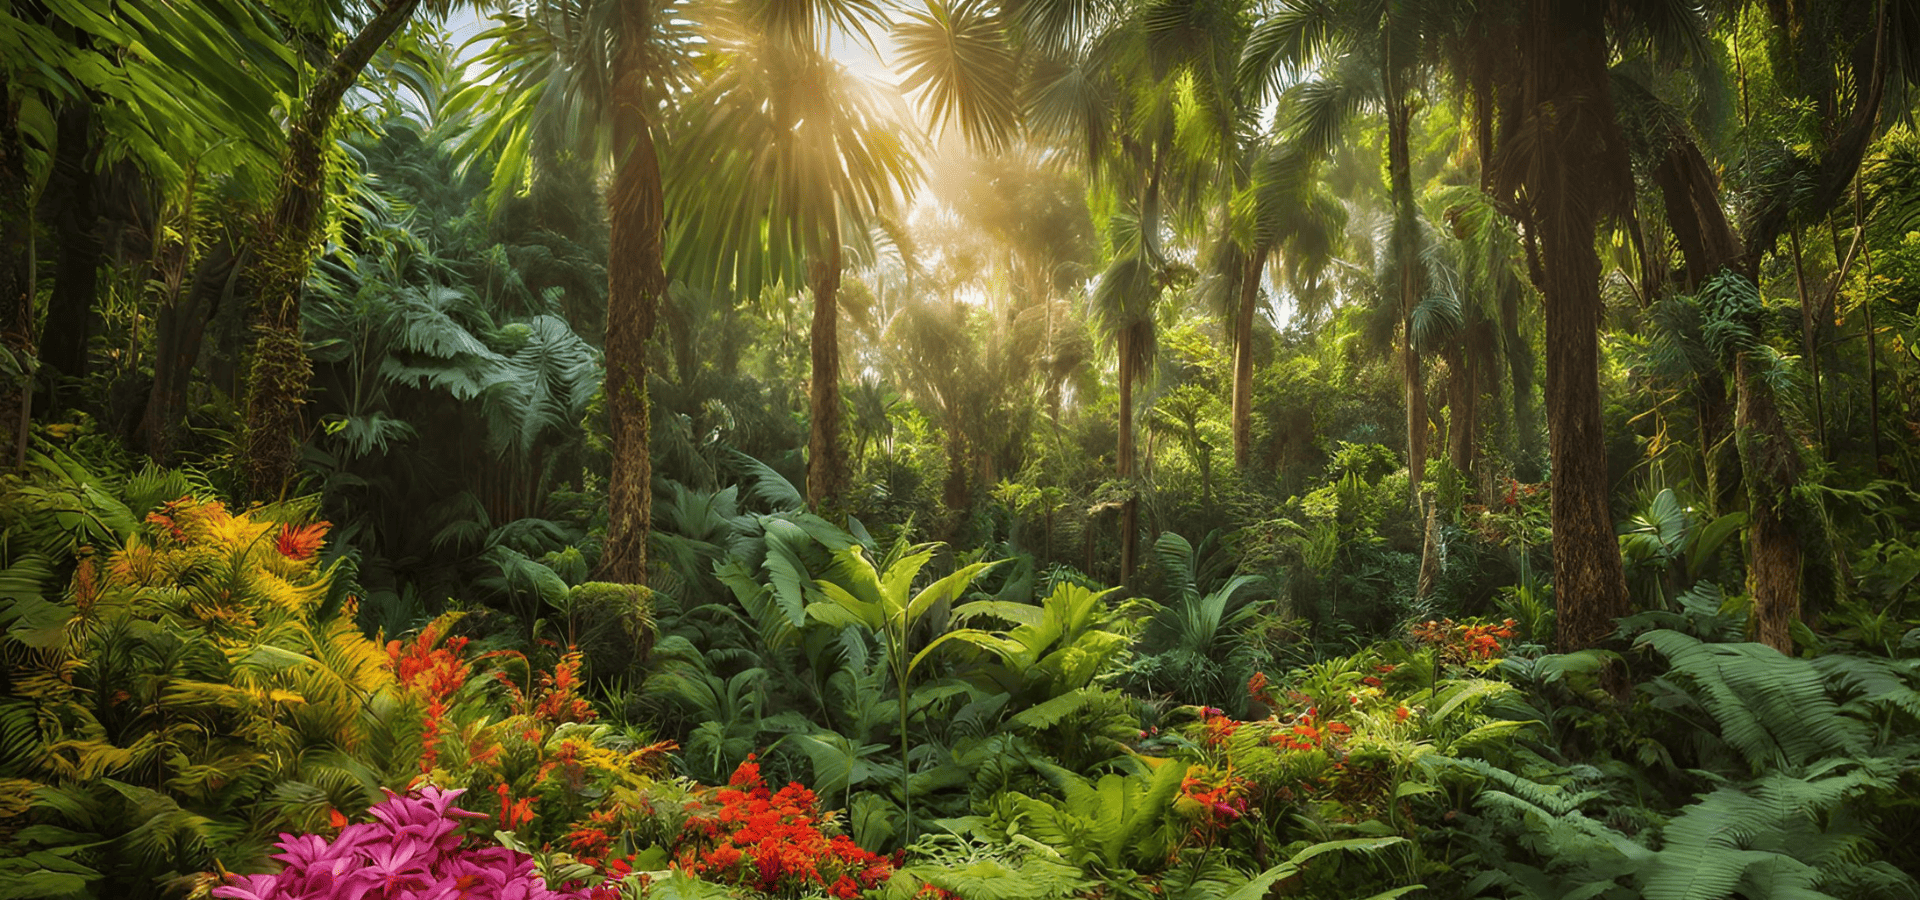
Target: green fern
1770, 709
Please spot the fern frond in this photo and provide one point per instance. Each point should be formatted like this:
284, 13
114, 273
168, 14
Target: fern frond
1771, 709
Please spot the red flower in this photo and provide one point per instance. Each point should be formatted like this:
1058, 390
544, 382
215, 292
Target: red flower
771, 842
514, 813
301, 543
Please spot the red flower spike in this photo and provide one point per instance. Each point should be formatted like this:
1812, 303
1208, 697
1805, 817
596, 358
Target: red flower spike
300, 544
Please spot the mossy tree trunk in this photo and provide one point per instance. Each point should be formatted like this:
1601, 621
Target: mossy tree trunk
280, 373
16, 285
636, 282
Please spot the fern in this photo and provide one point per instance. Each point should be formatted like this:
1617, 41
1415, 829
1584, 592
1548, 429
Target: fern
1755, 839
1773, 710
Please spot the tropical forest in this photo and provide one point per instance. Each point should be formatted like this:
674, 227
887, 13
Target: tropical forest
960, 449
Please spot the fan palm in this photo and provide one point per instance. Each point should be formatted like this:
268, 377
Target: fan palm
1365, 55
1142, 90
1556, 163
1283, 211
598, 78
800, 159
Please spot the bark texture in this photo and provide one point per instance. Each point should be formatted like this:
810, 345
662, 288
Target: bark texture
16, 285
1773, 467
280, 373
636, 282
1561, 163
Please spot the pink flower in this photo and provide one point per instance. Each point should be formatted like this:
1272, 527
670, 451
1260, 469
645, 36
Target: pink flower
412, 851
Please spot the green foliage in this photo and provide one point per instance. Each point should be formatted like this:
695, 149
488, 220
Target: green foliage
185, 693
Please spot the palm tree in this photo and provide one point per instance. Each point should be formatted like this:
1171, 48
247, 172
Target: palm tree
1142, 92
1555, 162
1365, 55
1283, 212
1723, 261
801, 159
597, 79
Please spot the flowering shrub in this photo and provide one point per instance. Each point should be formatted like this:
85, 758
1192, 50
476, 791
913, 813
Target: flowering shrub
557, 779
773, 842
554, 697
230, 572
1465, 644
433, 672
413, 849
1211, 799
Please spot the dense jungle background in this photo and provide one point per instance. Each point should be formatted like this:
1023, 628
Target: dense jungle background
990, 449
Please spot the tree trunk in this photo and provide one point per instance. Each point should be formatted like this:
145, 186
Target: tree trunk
1243, 364
1123, 463
636, 282
1577, 170
1400, 181
826, 458
1526, 422
1873, 375
1690, 193
180, 323
956, 492
1772, 466
277, 382
1432, 566
1462, 393
16, 286
76, 273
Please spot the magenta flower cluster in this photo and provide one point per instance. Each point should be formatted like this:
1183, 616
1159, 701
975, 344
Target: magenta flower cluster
412, 851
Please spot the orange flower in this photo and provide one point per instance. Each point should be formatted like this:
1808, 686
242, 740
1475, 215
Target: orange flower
514, 813
300, 544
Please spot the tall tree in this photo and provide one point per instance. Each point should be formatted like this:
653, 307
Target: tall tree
1556, 162
1362, 55
1878, 46
636, 282
16, 282
1141, 91
598, 81
277, 383
801, 161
